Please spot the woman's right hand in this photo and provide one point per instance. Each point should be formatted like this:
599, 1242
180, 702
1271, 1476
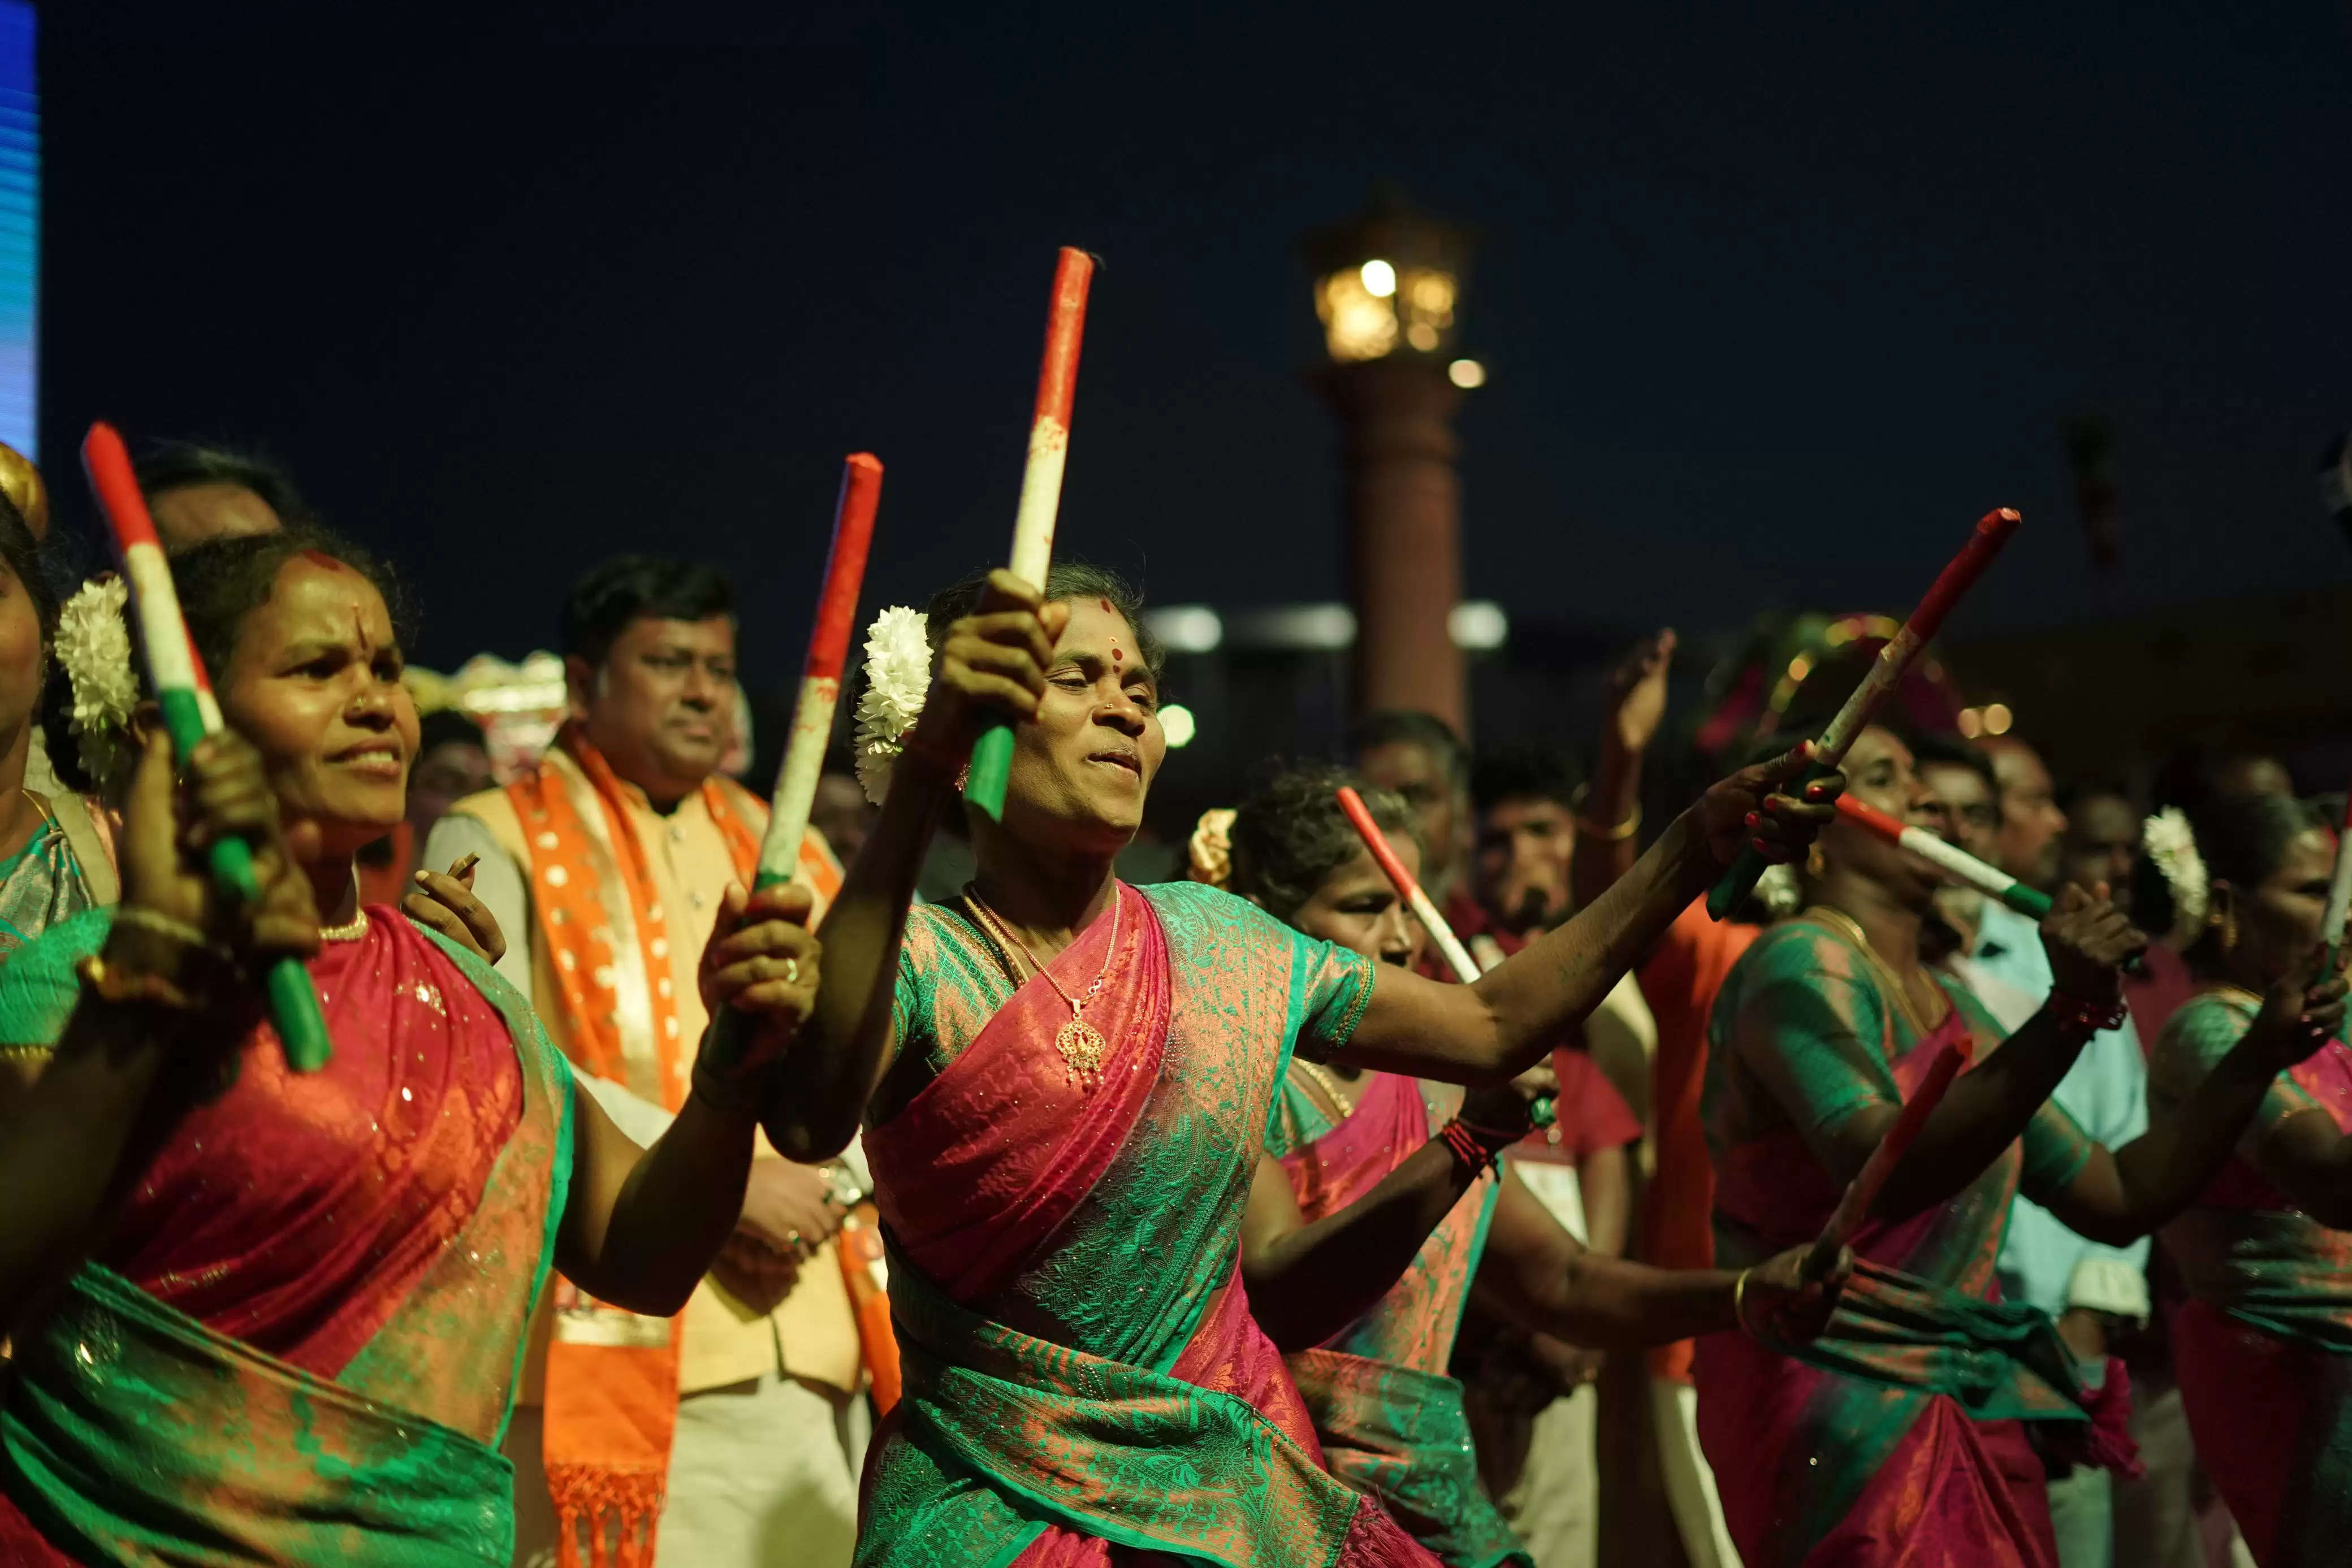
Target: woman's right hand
2089, 940
2301, 1012
169, 827
993, 666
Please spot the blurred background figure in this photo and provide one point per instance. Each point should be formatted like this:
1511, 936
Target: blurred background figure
196, 493
1419, 756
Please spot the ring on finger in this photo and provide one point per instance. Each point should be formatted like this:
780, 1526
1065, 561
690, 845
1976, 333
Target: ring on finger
792, 971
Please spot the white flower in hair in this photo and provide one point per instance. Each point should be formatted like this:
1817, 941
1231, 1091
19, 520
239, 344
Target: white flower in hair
1779, 891
93, 647
897, 677
1210, 852
2172, 846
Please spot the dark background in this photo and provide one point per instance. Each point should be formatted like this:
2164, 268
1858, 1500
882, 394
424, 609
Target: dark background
1773, 306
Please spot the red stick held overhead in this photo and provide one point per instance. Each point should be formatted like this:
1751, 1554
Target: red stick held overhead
1040, 488
1993, 531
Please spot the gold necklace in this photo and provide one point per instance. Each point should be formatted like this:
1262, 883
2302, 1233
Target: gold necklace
1847, 926
1328, 1082
1081, 1045
357, 928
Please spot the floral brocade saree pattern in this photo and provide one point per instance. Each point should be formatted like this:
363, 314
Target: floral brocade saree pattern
1895, 1438
2263, 1348
1389, 1419
205, 1396
1082, 1374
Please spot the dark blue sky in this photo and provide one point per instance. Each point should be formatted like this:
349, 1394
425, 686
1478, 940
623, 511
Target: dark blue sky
506, 311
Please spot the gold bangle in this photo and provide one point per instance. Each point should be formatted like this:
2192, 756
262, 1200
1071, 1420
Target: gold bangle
122, 987
1616, 836
167, 926
1739, 1302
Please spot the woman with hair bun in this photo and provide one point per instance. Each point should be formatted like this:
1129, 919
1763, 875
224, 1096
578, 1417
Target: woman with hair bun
1380, 1210
2263, 1348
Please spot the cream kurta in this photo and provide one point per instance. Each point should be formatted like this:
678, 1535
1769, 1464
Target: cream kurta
813, 1335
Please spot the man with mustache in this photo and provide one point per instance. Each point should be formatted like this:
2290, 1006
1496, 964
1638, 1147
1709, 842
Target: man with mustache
736, 1427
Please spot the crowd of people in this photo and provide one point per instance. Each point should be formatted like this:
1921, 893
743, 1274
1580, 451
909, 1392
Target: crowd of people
1219, 1217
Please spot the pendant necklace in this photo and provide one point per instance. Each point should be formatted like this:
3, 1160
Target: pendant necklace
1081, 1045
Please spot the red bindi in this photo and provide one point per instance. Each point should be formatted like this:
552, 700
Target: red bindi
1106, 604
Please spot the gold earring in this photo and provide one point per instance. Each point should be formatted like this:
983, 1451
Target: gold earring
2226, 920
1814, 864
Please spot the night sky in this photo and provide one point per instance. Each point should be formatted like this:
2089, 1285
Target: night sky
1749, 291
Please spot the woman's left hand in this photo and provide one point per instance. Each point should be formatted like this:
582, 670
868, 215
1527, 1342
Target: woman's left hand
1781, 1301
446, 902
762, 960
1748, 810
1510, 1107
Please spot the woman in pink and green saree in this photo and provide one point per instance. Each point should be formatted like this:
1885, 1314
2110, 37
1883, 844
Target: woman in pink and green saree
1380, 1211
1907, 1432
261, 1317
2263, 1345
1067, 1083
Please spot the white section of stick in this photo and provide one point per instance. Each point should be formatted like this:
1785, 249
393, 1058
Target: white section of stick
161, 628
1041, 501
796, 777
1465, 968
1961, 864
1856, 715
2339, 889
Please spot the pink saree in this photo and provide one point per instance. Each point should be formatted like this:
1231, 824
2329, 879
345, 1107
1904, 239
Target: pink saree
1084, 1382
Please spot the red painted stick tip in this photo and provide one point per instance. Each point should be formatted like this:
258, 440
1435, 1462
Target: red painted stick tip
1376, 841
1066, 324
845, 567
1870, 817
107, 462
2000, 522
1993, 531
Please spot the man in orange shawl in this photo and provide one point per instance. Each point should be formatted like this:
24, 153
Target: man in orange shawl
736, 1427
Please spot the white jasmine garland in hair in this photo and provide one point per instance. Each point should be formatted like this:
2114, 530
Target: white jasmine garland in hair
2172, 846
897, 677
93, 647
1779, 891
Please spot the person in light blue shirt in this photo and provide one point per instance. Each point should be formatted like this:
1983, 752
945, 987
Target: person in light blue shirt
2081, 1283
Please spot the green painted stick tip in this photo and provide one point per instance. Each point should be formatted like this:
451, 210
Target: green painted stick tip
992, 764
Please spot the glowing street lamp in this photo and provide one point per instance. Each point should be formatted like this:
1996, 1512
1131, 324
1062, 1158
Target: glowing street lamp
1388, 292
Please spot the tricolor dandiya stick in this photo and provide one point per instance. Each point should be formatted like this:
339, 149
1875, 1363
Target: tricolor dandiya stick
828, 651
190, 714
1993, 531
1863, 1192
1952, 861
1465, 969
2339, 888
1041, 490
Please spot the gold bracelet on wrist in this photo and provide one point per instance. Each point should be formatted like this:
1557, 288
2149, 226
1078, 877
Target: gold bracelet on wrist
121, 987
1607, 835
1739, 1302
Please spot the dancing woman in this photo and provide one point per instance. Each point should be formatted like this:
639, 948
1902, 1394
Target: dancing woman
265, 1317
1900, 1435
2263, 1345
1068, 1081
1378, 1176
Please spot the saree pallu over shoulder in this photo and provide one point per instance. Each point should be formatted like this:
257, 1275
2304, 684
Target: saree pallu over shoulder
2264, 1349
1095, 1379
135, 1433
